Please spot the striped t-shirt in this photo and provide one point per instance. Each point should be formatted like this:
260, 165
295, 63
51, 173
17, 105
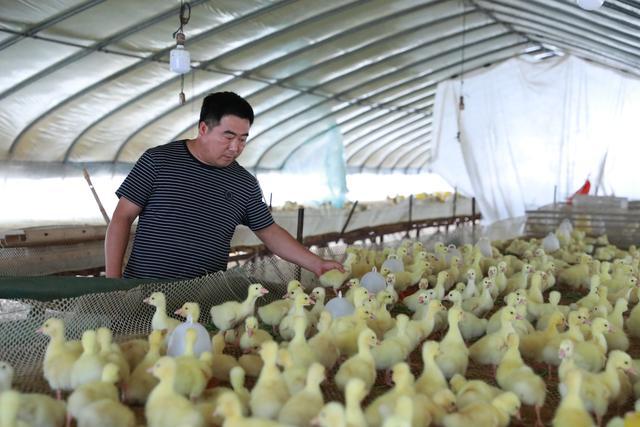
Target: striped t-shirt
189, 212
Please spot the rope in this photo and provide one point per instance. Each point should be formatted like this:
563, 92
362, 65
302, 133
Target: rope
185, 15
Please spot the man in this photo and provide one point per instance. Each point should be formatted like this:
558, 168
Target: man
190, 195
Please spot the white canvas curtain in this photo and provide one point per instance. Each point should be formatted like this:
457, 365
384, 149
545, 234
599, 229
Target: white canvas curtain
527, 127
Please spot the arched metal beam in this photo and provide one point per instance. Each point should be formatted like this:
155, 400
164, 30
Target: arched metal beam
341, 96
200, 96
59, 17
350, 137
314, 88
379, 136
283, 82
203, 66
417, 143
316, 121
469, 59
92, 48
422, 61
318, 134
452, 66
155, 57
398, 99
466, 60
325, 63
418, 137
393, 145
626, 11
386, 149
310, 139
417, 157
408, 148
409, 93
348, 129
561, 27
608, 23
121, 107
427, 117
596, 56
382, 135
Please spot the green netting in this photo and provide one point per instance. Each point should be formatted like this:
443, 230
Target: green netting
61, 287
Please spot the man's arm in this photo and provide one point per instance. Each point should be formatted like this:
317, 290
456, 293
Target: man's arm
281, 243
117, 238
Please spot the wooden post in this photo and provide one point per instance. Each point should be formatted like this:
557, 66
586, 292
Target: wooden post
85, 172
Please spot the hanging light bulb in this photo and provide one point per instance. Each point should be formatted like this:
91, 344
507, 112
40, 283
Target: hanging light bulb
180, 58
590, 4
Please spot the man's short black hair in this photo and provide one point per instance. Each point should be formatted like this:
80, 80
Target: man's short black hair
219, 104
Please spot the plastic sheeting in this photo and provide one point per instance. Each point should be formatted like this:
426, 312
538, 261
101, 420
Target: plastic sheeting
89, 81
45, 194
320, 164
528, 127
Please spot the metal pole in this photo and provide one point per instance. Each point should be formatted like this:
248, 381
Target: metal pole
473, 218
555, 194
299, 238
453, 213
410, 215
346, 224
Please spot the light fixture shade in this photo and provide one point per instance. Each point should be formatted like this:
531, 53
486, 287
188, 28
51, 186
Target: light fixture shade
180, 60
590, 4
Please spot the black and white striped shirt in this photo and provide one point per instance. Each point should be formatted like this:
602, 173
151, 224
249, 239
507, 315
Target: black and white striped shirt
189, 212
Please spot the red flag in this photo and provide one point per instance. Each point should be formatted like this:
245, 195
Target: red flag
582, 190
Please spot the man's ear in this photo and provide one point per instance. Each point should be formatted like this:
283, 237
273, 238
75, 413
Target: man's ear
202, 128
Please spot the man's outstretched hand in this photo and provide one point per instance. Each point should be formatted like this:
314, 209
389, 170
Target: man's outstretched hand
325, 265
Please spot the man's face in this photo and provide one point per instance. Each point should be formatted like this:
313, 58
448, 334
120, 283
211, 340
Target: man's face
223, 143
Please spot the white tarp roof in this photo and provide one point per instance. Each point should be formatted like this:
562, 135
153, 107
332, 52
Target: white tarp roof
88, 80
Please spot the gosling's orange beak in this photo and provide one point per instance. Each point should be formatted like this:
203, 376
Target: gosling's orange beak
518, 415
146, 301
264, 291
179, 312
40, 330
250, 332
